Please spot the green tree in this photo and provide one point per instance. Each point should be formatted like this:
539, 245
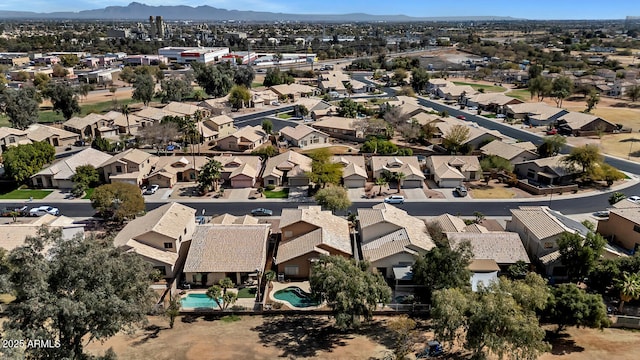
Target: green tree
379, 146
275, 77
616, 197
267, 126
592, 100
64, 99
41, 80
419, 79
23, 161
518, 270
495, 163
561, 88
143, 88
102, 144
244, 76
500, 319
216, 80
569, 305
21, 106
381, 181
586, 157
175, 89
442, 268
396, 177
629, 287
349, 108
87, 290
127, 75
209, 175
125, 110
333, 198
551, 145
214, 293
323, 171
349, 288
399, 75
403, 328
607, 173
455, 137
534, 71
59, 71
579, 255
239, 97
117, 201
540, 87
266, 152
633, 92
301, 111
84, 177
69, 60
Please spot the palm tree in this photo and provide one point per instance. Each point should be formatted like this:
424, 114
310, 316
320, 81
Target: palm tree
269, 276
381, 181
398, 177
629, 287
209, 175
126, 111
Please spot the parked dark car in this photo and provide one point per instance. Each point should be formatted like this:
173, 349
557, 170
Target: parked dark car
8, 212
261, 212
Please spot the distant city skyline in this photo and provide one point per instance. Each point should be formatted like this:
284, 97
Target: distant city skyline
535, 10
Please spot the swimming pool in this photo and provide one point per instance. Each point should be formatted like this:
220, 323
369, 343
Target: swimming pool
198, 301
296, 297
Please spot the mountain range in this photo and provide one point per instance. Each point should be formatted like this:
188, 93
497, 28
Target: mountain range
138, 11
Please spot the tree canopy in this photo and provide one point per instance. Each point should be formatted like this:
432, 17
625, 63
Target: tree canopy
333, 198
569, 305
239, 97
442, 268
419, 79
495, 163
175, 89
23, 161
21, 106
275, 77
244, 76
143, 88
499, 319
349, 108
209, 175
561, 88
216, 80
551, 145
349, 288
579, 255
455, 137
323, 171
84, 289
64, 99
585, 157
118, 201
85, 177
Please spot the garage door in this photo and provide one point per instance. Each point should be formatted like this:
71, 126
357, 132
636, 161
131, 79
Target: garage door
412, 184
241, 183
449, 183
298, 182
354, 183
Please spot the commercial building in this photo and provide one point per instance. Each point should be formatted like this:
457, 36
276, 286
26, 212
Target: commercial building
186, 55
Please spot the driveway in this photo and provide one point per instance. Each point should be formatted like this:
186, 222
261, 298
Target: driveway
356, 194
414, 194
239, 194
298, 194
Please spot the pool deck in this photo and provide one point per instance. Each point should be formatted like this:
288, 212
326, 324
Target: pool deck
304, 285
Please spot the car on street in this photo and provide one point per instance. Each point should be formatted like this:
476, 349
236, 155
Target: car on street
151, 190
553, 131
394, 199
275, 103
460, 191
44, 210
472, 108
461, 117
261, 212
11, 211
601, 214
635, 199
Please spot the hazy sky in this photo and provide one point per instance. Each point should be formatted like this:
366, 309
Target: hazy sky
536, 9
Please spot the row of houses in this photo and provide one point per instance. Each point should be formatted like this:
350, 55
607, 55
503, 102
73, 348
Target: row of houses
35, 133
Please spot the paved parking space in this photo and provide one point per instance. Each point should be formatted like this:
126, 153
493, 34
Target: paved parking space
356, 194
239, 194
414, 194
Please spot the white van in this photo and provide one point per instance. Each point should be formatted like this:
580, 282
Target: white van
394, 199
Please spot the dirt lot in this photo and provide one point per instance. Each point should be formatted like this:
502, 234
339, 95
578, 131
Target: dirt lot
289, 337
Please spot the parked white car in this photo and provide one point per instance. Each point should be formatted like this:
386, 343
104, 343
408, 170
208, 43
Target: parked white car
152, 190
43, 210
394, 199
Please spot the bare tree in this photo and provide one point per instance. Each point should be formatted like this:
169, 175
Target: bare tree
159, 135
455, 137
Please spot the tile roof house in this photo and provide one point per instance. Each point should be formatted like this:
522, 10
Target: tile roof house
505, 248
303, 136
182, 109
514, 154
58, 174
449, 223
130, 166
246, 138
580, 122
354, 172
12, 137
228, 219
169, 170
219, 251
216, 127
13, 235
240, 171
549, 171
293, 91
622, 226
92, 126
125, 125
391, 237
538, 114
151, 114
408, 165
478, 136
159, 236
495, 102
451, 170
340, 127
52, 135
290, 167
455, 92
308, 232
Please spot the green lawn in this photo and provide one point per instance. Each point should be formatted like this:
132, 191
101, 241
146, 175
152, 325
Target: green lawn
4, 121
522, 94
247, 293
277, 194
487, 88
256, 84
88, 193
20, 194
284, 116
